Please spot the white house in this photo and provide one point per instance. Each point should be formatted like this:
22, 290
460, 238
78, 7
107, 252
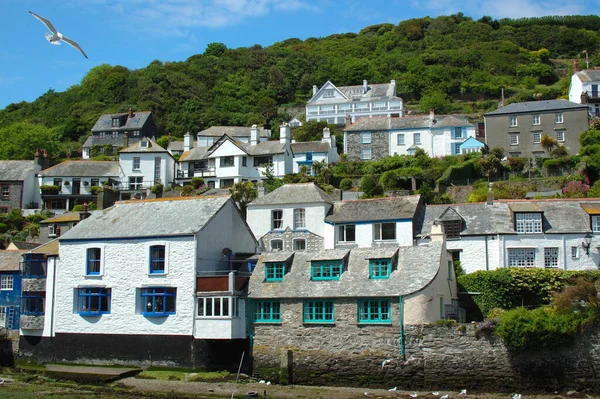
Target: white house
156, 282
437, 135
143, 165
332, 104
19, 187
552, 233
228, 161
73, 183
290, 218
308, 152
584, 89
377, 222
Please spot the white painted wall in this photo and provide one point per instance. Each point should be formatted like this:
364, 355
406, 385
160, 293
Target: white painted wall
436, 142
365, 235
167, 166
31, 188
222, 328
49, 322
259, 217
317, 157
576, 88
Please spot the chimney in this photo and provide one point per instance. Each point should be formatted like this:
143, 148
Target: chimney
125, 140
502, 103
260, 189
431, 115
254, 138
393, 82
284, 133
490, 194
365, 86
170, 137
130, 113
348, 120
188, 142
315, 90
575, 66
45, 159
326, 135
437, 233
37, 160
84, 214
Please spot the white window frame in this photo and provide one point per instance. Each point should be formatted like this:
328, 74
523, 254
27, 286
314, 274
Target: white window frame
551, 257
560, 136
529, 223
7, 283
575, 252
559, 117
378, 232
366, 154
298, 240
137, 163
514, 139
299, 218
536, 119
365, 137
400, 139
233, 306
417, 138
513, 121
277, 222
596, 223
328, 93
521, 257
537, 138
344, 227
277, 240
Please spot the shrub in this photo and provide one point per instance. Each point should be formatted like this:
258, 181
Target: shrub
197, 182
157, 189
370, 186
575, 189
346, 184
49, 189
94, 189
90, 207
594, 191
188, 190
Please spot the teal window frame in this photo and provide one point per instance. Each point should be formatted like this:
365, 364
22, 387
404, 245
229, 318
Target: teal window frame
267, 311
319, 311
375, 311
326, 269
380, 268
274, 271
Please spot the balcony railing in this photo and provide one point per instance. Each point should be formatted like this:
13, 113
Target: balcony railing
454, 312
188, 174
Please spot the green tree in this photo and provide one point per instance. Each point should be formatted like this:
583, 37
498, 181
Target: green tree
215, 49
243, 193
435, 100
548, 143
370, 186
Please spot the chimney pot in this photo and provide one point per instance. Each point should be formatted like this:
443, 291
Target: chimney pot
254, 136
365, 85
315, 89
431, 115
130, 112
348, 120
490, 194
576, 66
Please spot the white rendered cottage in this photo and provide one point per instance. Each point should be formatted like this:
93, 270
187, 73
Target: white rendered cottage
308, 153
152, 282
584, 89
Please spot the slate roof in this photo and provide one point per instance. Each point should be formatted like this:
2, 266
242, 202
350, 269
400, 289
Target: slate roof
375, 91
104, 122
589, 75
309, 146
417, 266
16, 170
294, 194
137, 147
536, 106
9, 260
49, 248
406, 122
559, 216
392, 208
83, 169
64, 218
106, 140
231, 131
150, 218
195, 154
263, 148
24, 245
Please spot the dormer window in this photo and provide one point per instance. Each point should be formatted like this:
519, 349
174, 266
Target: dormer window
326, 269
380, 268
328, 93
452, 228
116, 122
528, 223
144, 143
274, 271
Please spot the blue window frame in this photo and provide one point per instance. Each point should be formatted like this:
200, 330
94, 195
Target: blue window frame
456, 148
157, 259
318, 311
274, 271
326, 269
93, 301
34, 265
267, 311
309, 155
158, 301
380, 268
32, 303
93, 261
374, 311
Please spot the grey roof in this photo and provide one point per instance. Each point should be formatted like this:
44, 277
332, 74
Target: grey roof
104, 123
106, 140
536, 106
277, 256
83, 169
16, 170
392, 208
137, 147
589, 75
151, 218
195, 154
9, 260
24, 245
406, 122
383, 91
294, 194
559, 216
416, 268
263, 148
310, 146
231, 131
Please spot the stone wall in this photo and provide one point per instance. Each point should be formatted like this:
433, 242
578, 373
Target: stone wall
380, 145
14, 199
435, 357
314, 242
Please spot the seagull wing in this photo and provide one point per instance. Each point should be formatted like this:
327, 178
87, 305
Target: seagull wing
45, 22
74, 44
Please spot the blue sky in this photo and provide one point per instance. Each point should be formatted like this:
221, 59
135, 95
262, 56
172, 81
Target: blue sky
133, 33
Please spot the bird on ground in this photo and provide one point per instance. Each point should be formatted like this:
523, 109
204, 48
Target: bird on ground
268, 382
516, 396
436, 393
261, 381
413, 395
463, 392
392, 389
445, 396
385, 362
56, 36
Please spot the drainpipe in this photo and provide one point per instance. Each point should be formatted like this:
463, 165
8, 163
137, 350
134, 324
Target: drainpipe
401, 325
248, 324
53, 296
564, 251
487, 260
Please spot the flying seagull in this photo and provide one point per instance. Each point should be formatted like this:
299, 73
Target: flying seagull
56, 36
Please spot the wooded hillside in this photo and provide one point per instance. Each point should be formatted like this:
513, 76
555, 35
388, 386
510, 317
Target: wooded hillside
450, 63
